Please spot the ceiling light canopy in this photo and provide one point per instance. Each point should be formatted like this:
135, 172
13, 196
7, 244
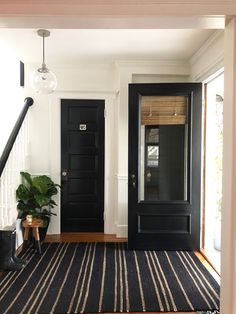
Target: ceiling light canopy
43, 80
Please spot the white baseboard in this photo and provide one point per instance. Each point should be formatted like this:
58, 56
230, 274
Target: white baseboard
121, 231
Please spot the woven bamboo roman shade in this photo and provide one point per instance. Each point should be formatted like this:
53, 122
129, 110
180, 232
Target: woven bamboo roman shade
163, 110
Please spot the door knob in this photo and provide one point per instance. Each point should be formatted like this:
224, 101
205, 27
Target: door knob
149, 175
64, 173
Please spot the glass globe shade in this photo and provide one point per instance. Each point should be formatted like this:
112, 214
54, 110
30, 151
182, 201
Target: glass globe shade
43, 81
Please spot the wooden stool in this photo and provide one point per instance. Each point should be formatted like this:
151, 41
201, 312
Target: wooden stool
34, 225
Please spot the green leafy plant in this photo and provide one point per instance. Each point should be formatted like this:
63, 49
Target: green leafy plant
34, 196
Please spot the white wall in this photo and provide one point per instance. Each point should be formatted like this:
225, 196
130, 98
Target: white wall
11, 96
11, 104
108, 82
78, 82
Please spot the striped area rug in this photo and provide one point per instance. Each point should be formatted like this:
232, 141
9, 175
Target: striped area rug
106, 277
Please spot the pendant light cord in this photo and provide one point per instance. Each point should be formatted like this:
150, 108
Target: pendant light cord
43, 65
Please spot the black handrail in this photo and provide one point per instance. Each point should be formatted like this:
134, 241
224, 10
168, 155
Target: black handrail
28, 102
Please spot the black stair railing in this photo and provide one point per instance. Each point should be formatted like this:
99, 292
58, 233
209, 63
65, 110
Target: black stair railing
7, 150
8, 258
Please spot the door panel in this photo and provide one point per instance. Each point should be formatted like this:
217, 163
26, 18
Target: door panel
82, 162
164, 166
164, 223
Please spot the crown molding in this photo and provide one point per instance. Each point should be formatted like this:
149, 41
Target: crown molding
157, 67
217, 34
151, 63
211, 68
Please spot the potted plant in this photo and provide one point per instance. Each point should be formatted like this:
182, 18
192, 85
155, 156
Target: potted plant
34, 196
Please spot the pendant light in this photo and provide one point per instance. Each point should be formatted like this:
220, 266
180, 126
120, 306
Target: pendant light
43, 80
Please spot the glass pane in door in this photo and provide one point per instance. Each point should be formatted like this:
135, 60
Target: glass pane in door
163, 151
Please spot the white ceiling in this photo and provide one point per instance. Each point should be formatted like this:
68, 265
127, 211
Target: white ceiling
105, 45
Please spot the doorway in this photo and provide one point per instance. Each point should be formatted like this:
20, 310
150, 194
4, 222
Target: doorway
164, 166
213, 165
82, 165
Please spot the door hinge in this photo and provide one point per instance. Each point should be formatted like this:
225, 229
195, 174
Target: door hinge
105, 113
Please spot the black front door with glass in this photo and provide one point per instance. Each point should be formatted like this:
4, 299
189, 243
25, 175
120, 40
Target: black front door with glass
164, 166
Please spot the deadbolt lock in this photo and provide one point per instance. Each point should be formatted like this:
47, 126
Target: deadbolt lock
133, 180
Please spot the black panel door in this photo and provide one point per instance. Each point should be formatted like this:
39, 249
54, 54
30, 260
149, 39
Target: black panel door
164, 166
82, 165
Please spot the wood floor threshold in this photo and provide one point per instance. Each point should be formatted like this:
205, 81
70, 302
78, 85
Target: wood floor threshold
83, 237
204, 254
